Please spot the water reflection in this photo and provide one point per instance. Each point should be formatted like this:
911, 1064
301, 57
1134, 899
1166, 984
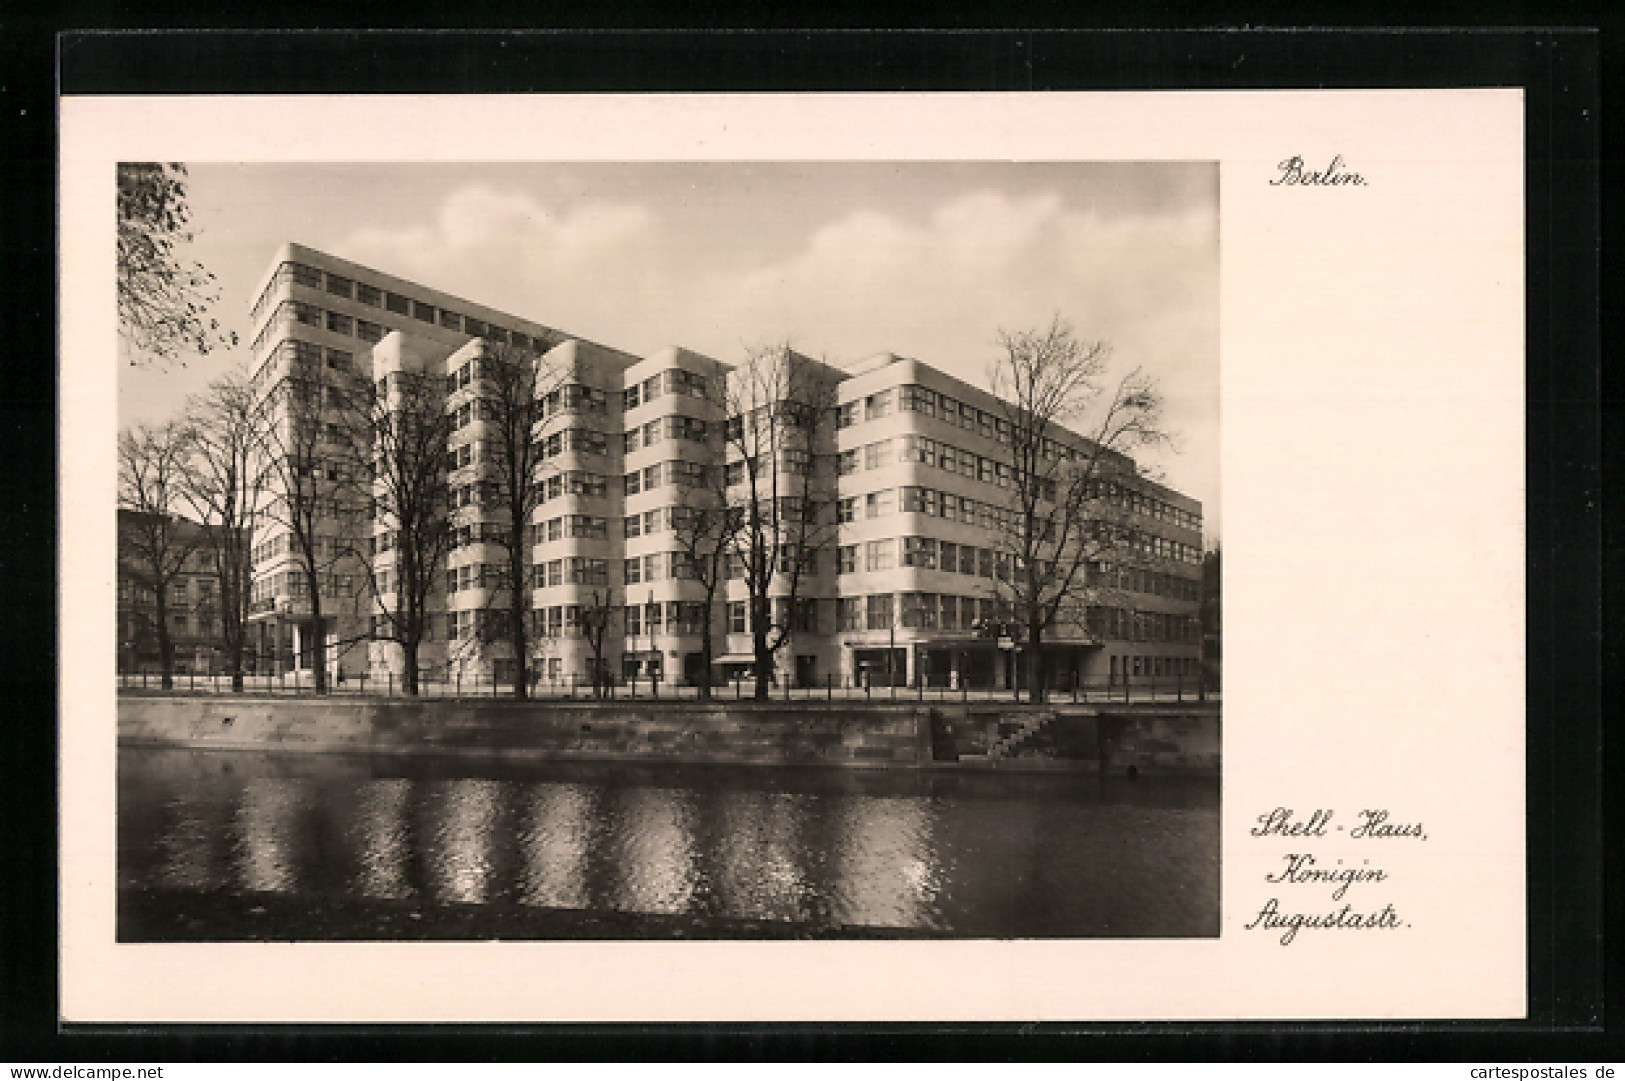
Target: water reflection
556, 840
267, 827
954, 854
758, 854
885, 874
460, 819
380, 825
650, 851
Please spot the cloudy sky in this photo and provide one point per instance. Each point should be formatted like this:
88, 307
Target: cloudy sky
844, 260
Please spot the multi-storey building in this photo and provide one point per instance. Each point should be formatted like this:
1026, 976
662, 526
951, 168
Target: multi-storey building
905, 469
316, 319
924, 510
191, 608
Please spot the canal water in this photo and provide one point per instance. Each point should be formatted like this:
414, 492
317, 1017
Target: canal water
943, 854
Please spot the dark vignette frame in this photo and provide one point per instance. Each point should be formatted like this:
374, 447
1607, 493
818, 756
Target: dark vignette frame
1560, 70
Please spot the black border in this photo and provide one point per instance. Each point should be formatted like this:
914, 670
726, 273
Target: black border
1560, 69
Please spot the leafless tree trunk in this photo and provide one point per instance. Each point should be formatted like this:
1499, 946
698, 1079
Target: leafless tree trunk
398, 439
224, 485
1069, 437
507, 392
307, 425
152, 463
704, 529
779, 490
597, 619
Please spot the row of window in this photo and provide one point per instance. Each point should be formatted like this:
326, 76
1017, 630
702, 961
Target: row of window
677, 471
918, 399
302, 358
1130, 625
372, 296
670, 381
295, 584
674, 426
1141, 580
573, 441
663, 617
181, 592
913, 398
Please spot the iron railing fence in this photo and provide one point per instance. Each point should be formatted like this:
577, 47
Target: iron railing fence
1179, 688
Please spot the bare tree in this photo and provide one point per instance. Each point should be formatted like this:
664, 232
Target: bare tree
704, 526
307, 424
779, 490
152, 463
704, 529
597, 621
507, 394
223, 482
163, 299
397, 438
1070, 434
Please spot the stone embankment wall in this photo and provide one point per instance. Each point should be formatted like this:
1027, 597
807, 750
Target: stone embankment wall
1109, 739
714, 733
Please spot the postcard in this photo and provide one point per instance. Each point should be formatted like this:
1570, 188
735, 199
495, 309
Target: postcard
907, 557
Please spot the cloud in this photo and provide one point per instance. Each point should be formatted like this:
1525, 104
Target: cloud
510, 251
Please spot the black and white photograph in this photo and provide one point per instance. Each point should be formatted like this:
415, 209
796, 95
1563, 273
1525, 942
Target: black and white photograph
668, 550
793, 558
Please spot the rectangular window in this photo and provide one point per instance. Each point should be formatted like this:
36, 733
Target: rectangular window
879, 611
653, 567
339, 287
877, 405
450, 320
422, 311
634, 526
877, 455
848, 559
368, 332
847, 510
368, 294
847, 415
849, 614
880, 555
920, 611
920, 552
737, 623
633, 617
848, 463
653, 477
398, 304
634, 482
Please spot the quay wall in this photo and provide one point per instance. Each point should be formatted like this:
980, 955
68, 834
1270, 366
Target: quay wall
1117, 739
